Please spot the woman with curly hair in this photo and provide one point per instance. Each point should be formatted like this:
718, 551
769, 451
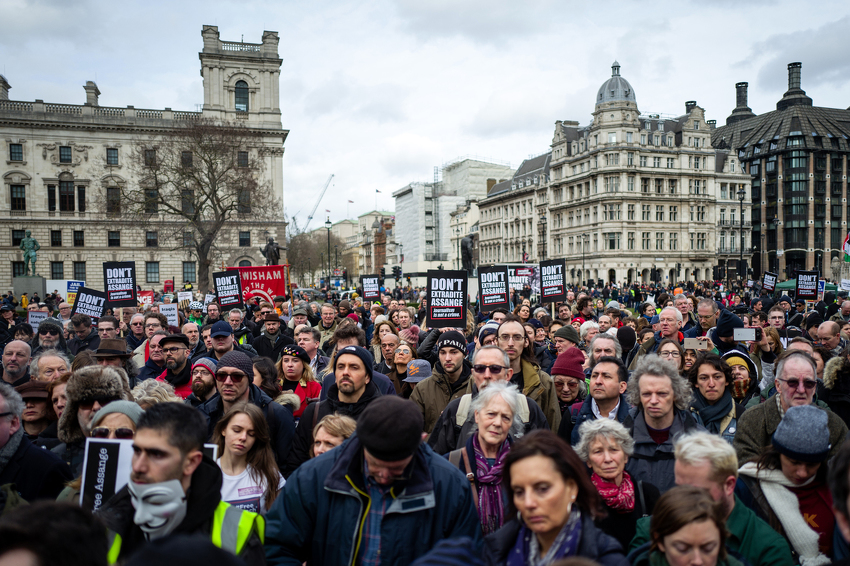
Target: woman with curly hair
381, 329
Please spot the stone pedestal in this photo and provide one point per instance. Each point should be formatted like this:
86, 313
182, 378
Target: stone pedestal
29, 284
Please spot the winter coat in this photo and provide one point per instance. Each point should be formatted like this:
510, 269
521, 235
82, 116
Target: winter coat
432, 394
538, 386
36, 473
594, 544
381, 381
757, 425
150, 370
182, 382
246, 349
327, 333
653, 463
651, 344
836, 381
306, 393
90, 342
319, 515
266, 348
585, 413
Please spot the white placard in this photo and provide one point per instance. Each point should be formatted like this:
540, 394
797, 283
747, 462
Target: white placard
208, 298
34, 318
170, 312
184, 296
845, 284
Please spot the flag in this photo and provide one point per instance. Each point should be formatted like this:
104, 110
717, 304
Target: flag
377, 191
326, 210
846, 247
351, 201
525, 257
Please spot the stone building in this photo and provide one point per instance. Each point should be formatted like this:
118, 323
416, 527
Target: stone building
59, 157
797, 157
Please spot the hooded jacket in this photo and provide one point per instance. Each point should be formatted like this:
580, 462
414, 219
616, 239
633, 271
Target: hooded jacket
315, 412
538, 386
90, 342
432, 394
319, 515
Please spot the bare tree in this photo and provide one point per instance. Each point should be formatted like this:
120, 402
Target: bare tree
194, 185
308, 250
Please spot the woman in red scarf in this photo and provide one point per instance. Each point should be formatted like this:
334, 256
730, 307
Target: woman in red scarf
605, 446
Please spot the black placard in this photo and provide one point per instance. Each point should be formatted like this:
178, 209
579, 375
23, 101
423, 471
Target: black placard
371, 287
768, 282
228, 288
101, 471
806, 285
90, 302
553, 281
120, 282
447, 298
493, 288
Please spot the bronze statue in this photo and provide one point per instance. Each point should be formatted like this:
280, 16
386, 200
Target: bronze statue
466, 254
29, 246
271, 252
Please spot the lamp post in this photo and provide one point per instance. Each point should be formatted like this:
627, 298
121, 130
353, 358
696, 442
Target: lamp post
742, 272
457, 237
329, 225
542, 245
584, 239
321, 264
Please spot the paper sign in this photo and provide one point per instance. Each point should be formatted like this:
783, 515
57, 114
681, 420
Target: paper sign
120, 281
228, 288
553, 281
90, 302
184, 296
34, 318
769, 282
71, 294
806, 285
371, 287
493, 288
170, 312
749, 282
446, 298
845, 284
821, 288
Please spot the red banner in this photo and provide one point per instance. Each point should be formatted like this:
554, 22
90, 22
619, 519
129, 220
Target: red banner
146, 297
264, 281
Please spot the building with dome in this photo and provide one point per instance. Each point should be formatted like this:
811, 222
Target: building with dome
627, 197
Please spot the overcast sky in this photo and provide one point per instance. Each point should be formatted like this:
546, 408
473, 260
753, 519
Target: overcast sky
379, 92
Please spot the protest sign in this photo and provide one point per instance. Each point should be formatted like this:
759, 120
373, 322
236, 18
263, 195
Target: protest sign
34, 318
146, 297
90, 302
208, 298
184, 296
768, 283
806, 285
371, 287
493, 288
228, 288
170, 312
553, 281
120, 281
821, 289
446, 298
265, 281
521, 274
845, 284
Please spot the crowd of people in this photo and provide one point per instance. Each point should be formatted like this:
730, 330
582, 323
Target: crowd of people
641, 426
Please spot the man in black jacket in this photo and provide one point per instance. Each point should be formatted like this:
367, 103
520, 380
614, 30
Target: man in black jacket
272, 340
233, 378
87, 338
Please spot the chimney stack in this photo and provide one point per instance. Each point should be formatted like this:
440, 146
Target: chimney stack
4, 88
741, 94
795, 96
741, 111
690, 105
92, 93
795, 71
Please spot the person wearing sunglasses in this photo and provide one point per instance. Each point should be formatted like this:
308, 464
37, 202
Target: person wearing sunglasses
49, 337
116, 421
796, 383
136, 334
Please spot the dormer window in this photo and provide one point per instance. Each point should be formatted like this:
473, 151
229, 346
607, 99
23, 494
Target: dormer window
241, 96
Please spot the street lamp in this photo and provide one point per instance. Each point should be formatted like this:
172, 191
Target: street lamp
329, 225
742, 272
457, 237
584, 239
542, 245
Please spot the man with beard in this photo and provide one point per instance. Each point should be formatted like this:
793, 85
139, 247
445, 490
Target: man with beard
713, 405
174, 487
448, 379
178, 370
16, 363
192, 332
585, 308
155, 365
345, 309
213, 313
203, 382
270, 343
49, 337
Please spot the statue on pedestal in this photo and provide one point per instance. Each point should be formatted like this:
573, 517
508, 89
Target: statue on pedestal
466, 254
271, 252
29, 246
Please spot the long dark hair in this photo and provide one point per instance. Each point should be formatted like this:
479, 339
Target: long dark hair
770, 460
260, 457
268, 372
548, 444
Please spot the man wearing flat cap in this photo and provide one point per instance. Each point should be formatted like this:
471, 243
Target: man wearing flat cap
377, 498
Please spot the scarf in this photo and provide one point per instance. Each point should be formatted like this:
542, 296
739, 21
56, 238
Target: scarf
11, 447
620, 499
490, 503
526, 550
786, 507
712, 415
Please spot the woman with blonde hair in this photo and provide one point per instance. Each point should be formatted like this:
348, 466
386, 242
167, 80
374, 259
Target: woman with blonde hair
150, 392
293, 369
330, 432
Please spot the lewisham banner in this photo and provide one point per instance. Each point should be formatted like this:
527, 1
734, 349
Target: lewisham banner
264, 281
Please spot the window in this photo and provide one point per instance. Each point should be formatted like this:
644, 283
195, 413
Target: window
659, 186
696, 162
188, 202
241, 96
630, 158
81, 198
670, 163
644, 185
51, 198
80, 270
111, 156
700, 214
56, 238
18, 195
64, 157
643, 139
151, 240
723, 190
645, 240
242, 160
656, 162
57, 270
17, 236
659, 241
657, 140
66, 196
113, 200
150, 157
16, 152
612, 137
631, 240
659, 214
188, 271
629, 137
188, 239
696, 124
643, 161
611, 241
644, 212
674, 214
631, 181
244, 239
245, 263
701, 240
151, 201
152, 272
244, 205
18, 269
631, 212
671, 184
113, 239
674, 241
186, 159
79, 239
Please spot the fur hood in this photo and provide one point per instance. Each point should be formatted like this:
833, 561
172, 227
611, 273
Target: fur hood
289, 399
88, 383
834, 370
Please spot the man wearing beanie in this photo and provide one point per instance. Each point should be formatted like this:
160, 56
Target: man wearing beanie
349, 395
796, 383
565, 338
234, 378
606, 397
378, 498
203, 382
448, 379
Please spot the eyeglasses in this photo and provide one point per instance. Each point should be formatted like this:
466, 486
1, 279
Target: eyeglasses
481, 368
122, 433
172, 350
137, 324
670, 354
569, 384
265, 312
402, 351
46, 331
512, 337
87, 404
794, 383
234, 377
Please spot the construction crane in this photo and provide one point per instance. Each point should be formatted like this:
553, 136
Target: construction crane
318, 200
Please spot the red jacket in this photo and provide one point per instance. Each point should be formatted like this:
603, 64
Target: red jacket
311, 391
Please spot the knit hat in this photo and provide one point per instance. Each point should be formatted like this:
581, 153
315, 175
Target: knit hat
814, 319
353, 316
345, 304
361, 353
391, 413
627, 337
803, 434
410, 334
132, 411
238, 360
296, 351
452, 339
210, 364
727, 322
535, 323
568, 333
417, 370
785, 299
736, 357
569, 363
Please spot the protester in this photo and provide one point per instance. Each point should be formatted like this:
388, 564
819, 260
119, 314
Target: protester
330, 432
272, 340
713, 405
56, 394
839, 485
607, 400
402, 355
49, 337
569, 379
203, 382
155, 364
151, 392
86, 336
16, 363
295, 375
113, 352
38, 414
448, 378
266, 377
178, 369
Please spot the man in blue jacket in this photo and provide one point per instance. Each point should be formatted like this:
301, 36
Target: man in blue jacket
608, 381
377, 498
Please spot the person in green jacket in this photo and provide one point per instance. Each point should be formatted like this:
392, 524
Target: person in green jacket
707, 461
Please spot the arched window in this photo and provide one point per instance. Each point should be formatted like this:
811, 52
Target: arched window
245, 263
241, 96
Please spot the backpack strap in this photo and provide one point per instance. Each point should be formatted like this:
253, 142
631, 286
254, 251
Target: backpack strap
642, 500
463, 409
454, 458
470, 475
524, 413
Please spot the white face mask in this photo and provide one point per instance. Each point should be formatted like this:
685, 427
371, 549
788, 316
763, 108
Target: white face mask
160, 507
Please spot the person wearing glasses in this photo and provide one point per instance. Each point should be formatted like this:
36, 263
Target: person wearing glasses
136, 334
796, 382
178, 370
155, 364
107, 327
234, 377
153, 322
49, 337
65, 311
401, 356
